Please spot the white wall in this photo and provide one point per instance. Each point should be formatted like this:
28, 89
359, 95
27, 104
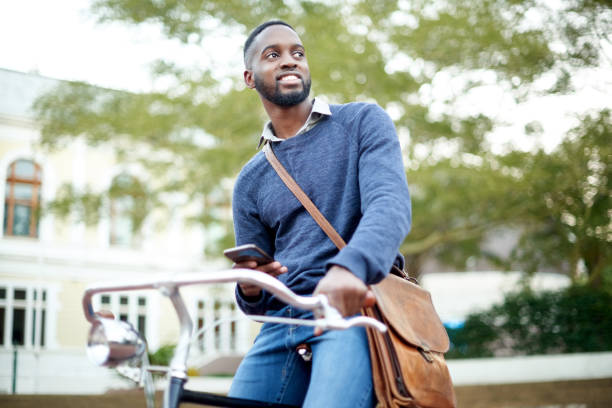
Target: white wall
527, 369
56, 372
457, 294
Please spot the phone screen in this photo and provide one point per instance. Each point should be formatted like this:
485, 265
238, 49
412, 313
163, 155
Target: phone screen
246, 253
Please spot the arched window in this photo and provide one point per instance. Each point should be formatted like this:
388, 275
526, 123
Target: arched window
22, 198
128, 208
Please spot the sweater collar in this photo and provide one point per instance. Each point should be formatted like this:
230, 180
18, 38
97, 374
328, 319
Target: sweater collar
319, 110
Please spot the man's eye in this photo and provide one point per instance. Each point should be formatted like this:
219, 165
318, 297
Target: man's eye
272, 55
299, 54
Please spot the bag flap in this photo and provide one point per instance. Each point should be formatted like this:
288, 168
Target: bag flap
408, 309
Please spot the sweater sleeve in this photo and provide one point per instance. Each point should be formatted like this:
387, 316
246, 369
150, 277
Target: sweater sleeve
249, 229
385, 200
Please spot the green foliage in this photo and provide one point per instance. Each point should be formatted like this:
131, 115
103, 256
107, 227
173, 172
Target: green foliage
568, 223
162, 356
463, 201
129, 189
84, 206
573, 320
558, 203
88, 206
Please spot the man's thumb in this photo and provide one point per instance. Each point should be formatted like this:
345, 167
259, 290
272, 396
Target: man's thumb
370, 299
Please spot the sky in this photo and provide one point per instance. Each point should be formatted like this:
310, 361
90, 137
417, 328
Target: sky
60, 39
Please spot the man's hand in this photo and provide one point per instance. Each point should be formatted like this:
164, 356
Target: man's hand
106, 314
273, 268
345, 291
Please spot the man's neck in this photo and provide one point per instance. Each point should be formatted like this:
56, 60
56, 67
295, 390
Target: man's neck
287, 120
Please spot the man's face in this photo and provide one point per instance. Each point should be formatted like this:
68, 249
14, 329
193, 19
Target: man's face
278, 67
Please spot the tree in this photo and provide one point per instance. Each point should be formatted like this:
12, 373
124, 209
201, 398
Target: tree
568, 219
197, 133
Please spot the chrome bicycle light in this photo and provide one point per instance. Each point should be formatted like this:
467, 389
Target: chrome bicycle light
112, 342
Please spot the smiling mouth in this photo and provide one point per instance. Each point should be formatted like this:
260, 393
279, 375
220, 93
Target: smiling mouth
289, 78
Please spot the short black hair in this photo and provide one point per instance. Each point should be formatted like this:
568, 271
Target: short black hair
256, 31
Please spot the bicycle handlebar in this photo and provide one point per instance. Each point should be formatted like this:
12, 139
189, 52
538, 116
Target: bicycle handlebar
327, 316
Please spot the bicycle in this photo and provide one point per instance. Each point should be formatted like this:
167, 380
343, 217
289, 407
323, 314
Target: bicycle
115, 343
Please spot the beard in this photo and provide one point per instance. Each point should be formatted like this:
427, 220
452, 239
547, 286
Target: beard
274, 95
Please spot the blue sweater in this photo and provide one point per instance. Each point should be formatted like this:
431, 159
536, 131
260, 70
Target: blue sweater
350, 166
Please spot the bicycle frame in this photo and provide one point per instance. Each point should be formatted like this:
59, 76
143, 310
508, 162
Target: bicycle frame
113, 342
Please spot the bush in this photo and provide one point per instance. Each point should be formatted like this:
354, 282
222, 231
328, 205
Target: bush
576, 319
162, 356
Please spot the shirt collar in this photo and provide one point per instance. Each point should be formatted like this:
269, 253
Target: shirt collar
319, 109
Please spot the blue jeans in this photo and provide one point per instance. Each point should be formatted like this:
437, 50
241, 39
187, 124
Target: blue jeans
339, 374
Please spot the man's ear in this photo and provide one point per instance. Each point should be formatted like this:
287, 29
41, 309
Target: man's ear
249, 80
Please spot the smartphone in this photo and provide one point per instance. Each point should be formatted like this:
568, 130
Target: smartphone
248, 252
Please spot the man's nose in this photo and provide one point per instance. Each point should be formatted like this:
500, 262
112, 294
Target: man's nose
287, 61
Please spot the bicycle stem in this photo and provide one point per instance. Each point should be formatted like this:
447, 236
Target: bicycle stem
178, 365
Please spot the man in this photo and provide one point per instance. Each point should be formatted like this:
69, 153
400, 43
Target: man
347, 159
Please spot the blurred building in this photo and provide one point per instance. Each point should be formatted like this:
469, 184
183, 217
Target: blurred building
455, 295
46, 262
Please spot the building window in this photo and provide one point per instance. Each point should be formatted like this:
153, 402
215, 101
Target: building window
23, 314
128, 208
128, 307
218, 317
22, 198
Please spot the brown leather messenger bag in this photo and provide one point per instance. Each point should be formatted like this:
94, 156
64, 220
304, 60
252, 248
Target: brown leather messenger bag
408, 366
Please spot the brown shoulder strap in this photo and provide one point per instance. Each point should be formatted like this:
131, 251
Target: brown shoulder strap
304, 199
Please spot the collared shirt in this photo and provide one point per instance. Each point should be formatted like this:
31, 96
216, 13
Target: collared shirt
319, 110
